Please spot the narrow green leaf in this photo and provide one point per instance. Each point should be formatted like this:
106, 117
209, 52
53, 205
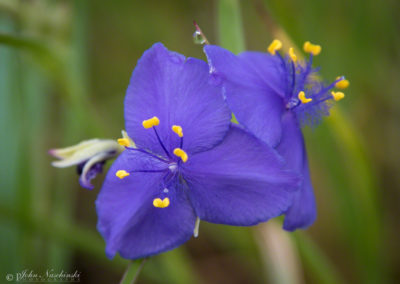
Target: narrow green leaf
9, 162
230, 28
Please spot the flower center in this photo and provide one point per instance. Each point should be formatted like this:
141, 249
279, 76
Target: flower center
171, 165
305, 94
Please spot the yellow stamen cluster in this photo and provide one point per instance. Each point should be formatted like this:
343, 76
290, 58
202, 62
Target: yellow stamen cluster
157, 202
292, 55
151, 122
342, 84
124, 142
275, 45
337, 96
178, 130
312, 48
181, 154
122, 174
302, 98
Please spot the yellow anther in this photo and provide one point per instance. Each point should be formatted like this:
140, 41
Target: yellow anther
312, 48
292, 55
178, 130
337, 96
157, 202
275, 45
302, 98
124, 142
122, 174
181, 154
149, 123
342, 84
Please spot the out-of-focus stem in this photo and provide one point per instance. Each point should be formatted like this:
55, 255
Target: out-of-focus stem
133, 271
279, 254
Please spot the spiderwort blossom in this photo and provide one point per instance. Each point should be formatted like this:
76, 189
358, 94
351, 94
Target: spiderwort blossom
89, 156
190, 163
272, 96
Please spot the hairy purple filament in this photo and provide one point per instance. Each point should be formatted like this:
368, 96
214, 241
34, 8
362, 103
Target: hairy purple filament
299, 75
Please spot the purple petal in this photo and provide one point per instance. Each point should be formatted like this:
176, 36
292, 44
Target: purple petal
127, 219
267, 68
239, 182
178, 92
255, 109
251, 83
303, 211
86, 175
250, 69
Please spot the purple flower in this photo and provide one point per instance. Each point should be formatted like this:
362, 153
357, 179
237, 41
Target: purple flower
189, 163
272, 96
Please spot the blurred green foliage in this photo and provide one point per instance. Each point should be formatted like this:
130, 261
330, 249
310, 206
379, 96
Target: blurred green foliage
64, 69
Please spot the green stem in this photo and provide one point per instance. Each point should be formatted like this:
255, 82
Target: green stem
132, 272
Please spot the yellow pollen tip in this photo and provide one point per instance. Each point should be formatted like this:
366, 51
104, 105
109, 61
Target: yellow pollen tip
181, 154
292, 55
275, 45
158, 203
302, 98
337, 96
149, 123
312, 48
122, 174
123, 142
342, 84
178, 130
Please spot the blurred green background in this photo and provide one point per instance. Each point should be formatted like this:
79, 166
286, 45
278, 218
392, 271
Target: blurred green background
64, 69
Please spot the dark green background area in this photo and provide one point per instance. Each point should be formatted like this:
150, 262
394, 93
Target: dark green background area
64, 69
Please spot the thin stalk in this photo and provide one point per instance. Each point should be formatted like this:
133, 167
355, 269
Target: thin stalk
133, 271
